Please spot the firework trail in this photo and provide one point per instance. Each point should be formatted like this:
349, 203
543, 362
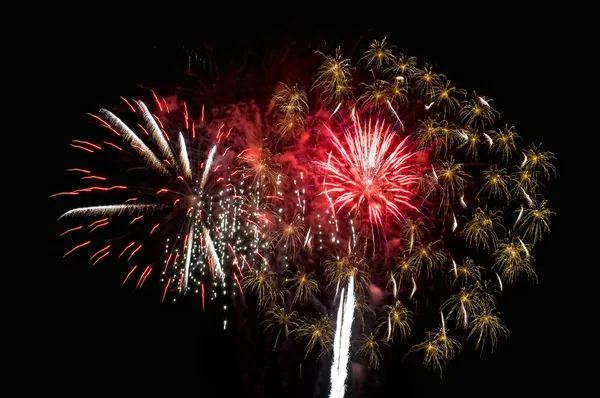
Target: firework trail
341, 344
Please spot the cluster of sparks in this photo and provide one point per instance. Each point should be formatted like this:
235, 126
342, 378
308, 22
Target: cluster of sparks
214, 228
368, 173
429, 168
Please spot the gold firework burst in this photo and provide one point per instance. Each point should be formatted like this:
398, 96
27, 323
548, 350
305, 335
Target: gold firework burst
319, 333
378, 55
539, 161
535, 222
505, 142
404, 67
428, 257
333, 78
397, 322
467, 272
304, 285
281, 321
487, 327
262, 283
478, 114
462, 306
495, 183
512, 258
426, 81
481, 230
444, 95
369, 349
451, 182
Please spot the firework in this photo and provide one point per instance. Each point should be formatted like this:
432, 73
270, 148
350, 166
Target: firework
199, 212
369, 174
381, 190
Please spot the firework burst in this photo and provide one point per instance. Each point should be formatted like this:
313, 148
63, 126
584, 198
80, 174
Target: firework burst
369, 173
394, 158
199, 211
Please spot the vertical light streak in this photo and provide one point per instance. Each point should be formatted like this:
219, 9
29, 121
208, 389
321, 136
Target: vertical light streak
341, 345
188, 257
210, 247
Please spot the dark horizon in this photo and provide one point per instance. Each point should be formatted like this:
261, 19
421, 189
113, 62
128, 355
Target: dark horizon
106, 336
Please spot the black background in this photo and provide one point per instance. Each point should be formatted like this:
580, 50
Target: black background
106, 338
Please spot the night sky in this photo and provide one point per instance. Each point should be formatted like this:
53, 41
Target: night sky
107, 338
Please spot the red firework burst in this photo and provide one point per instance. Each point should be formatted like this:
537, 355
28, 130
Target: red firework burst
369, 173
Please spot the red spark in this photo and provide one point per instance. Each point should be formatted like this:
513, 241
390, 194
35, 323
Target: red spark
129, 274
137, 218
113, 145
98, 222
128, 104
82, 148
135, 251
153, 228
99, 251
157, 101
99, 225
72, 229
94, 178
370, 172
143, 277
101, 257
88, 143
77, 247
165, 292
127, 247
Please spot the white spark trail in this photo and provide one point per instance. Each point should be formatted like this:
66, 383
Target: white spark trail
499, 281
188, 257
524, 247
435, 176
307, 238
527, 197
341, 345
156, 133
395, 114
489, 139
462, 202
337, 108
207, 166
519, 216
135, 141
483, 102
183, 157
108, 210
524, 160
465, 315
414, 289
212, 252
